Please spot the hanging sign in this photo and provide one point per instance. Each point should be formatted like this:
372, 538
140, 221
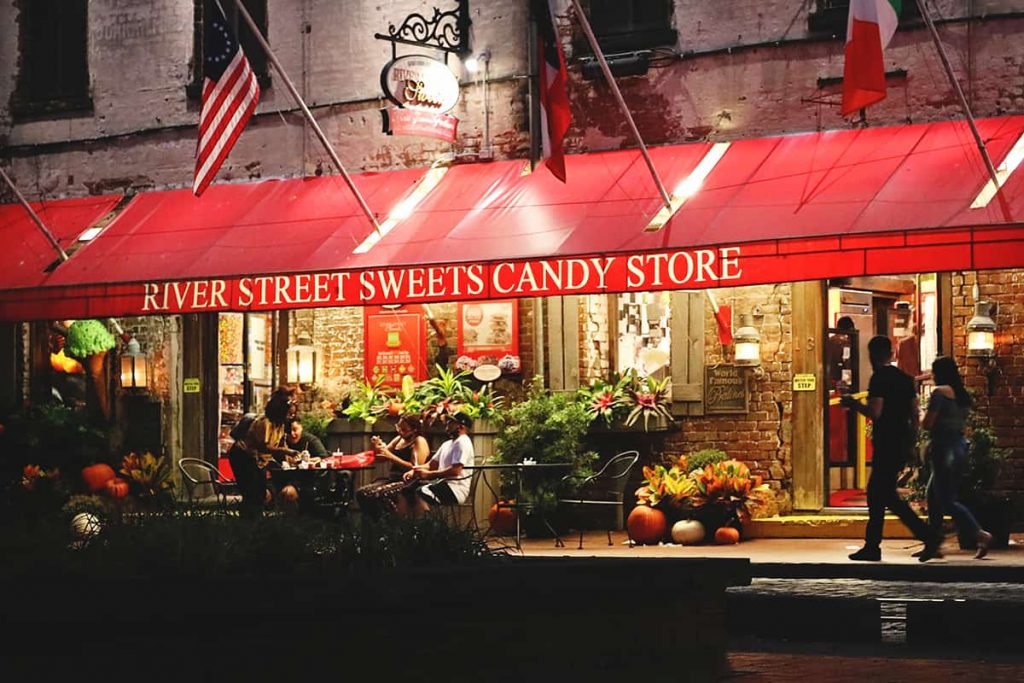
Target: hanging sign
420, 123
424, 89
725, 389
395, 344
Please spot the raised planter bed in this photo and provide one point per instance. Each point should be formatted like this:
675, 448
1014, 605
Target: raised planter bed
538, 618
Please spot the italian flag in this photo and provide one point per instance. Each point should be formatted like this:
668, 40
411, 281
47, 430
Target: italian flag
871, 26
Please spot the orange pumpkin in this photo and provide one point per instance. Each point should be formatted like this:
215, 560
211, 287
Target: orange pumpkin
502, 518
116, 488
727, 535
96, 476
646, 525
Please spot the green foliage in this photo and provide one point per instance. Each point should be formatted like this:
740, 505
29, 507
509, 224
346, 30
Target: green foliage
194, 544
366, 402
148, 476
984, 459
702, 458
547, 428
86, 337
315, 422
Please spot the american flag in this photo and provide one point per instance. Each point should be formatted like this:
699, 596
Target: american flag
230, 95
554, 97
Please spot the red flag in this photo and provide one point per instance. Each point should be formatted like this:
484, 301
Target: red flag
230, 95
723, 316
554, 99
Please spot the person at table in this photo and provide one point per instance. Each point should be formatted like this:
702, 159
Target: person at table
442, 480
262, 444
408, 449
299, 440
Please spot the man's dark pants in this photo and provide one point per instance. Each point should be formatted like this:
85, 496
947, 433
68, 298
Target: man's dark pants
885, 470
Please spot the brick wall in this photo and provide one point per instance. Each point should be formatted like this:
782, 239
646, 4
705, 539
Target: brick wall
762, 437
1001, 409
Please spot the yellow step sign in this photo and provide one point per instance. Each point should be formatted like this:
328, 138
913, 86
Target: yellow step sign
805, 382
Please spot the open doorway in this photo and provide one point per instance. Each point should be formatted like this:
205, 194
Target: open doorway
903, 307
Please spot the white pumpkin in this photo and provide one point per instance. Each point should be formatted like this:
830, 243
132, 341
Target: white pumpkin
688, 532
85, 525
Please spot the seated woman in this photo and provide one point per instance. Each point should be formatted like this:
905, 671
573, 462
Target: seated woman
407, 450
262, 444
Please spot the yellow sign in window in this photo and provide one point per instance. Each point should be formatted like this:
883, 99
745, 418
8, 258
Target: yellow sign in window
805, 382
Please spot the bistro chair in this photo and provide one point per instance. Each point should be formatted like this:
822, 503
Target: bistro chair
601, 491
196, 473
453, 513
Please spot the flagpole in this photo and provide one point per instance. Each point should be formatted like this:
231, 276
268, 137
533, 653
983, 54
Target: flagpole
35, 218
926, 15
309, 116
585, 25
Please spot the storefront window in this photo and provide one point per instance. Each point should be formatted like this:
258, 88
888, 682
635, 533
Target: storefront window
643, 333
247, 371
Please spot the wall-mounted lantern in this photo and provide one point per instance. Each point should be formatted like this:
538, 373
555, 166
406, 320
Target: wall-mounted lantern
747, 341
305, 361
981, 331
134, 366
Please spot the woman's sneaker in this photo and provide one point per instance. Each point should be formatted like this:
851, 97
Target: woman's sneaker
984, 540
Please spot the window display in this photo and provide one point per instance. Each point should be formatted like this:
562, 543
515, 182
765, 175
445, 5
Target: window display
644, 334
247, 371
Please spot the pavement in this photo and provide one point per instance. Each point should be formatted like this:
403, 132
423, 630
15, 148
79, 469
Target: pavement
811, 557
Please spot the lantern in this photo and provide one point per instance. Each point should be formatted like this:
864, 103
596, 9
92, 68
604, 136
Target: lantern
748, 343
134, 367
981, 331
304, 361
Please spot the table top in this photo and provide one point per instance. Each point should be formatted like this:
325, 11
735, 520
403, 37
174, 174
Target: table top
333, 468
520, 465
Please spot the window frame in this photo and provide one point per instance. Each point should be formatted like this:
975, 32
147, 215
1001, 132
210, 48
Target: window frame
657, 35
257, 59
26, 104
830, 16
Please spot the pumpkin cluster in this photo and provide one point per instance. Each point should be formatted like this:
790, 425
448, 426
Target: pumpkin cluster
727, 486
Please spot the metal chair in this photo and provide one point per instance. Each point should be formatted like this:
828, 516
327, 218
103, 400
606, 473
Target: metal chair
602, 490
452, 512
196, 473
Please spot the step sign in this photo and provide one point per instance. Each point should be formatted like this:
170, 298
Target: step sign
805, 382
191, 385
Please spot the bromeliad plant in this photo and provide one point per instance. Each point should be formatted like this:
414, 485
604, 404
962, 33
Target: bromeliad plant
646, 398
605, 400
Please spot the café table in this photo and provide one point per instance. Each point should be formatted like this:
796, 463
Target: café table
321, 485
521, 470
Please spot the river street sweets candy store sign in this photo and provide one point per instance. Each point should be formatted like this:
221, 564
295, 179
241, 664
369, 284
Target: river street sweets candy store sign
424, 90
424, 284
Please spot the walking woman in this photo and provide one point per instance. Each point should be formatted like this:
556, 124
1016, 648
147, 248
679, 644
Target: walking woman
265, 441
406, 451
945, 419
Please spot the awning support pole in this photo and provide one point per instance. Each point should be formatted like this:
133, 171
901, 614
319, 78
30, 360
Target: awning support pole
305, 112
35, 218
585, 25
926, 15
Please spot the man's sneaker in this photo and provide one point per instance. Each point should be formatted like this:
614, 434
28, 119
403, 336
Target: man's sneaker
867, 555
936, 555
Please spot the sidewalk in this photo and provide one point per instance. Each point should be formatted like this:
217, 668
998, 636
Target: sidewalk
803, 557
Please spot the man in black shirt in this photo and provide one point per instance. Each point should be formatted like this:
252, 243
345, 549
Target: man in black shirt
892, 409
300, 441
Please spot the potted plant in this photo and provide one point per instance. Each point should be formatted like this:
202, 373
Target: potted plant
546, 428
149, 478
984, 460
725, 495
647, 398
605, 401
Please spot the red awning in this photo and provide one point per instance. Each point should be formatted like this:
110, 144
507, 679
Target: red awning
799, 207
26, 253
